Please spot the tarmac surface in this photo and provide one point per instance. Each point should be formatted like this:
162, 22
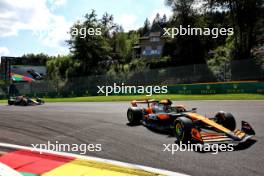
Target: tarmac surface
106, 124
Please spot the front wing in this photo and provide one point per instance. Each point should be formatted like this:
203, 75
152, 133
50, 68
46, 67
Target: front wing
236, 137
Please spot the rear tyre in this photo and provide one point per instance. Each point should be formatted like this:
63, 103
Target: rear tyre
226, 119
24, 103
134, 115
183, 129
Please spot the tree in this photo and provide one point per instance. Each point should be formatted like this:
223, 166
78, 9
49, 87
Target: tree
34, 59
164, 20
182, 9
91, 50
123, 45
187, 49
95, 54
146, 28
244, 15
109, 27
61, 67
157, 19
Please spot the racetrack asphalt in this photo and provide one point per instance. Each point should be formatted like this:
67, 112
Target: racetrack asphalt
106, 124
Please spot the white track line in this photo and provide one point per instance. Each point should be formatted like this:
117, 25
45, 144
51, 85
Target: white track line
7, 171
118, 163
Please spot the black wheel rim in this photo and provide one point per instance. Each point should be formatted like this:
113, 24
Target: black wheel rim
130, 116
179, 130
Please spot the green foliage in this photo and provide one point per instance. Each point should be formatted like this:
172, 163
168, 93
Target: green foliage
260, 61
126, 71
219, 62
34, 59
2, 82
122, 44
185, 50
244, 15
183, 10
111, 52
62, 67
94, 54
91, 50
163, 62
145, 29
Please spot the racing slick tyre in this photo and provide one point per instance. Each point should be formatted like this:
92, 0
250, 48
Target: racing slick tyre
11, 102
183, 129
40, 101
134, 115
226, 119
24, 103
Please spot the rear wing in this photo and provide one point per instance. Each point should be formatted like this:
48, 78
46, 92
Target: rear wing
135, 103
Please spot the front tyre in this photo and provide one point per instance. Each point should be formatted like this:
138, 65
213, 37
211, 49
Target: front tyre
183, 129
226, 119
134, 115
40, 101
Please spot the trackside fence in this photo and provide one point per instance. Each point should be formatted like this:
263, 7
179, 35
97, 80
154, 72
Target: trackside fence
233, 77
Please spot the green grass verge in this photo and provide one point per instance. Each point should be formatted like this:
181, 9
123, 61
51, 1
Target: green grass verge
157, 97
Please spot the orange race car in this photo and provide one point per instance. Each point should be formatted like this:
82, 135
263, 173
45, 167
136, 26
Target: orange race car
24, 101
187, 125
